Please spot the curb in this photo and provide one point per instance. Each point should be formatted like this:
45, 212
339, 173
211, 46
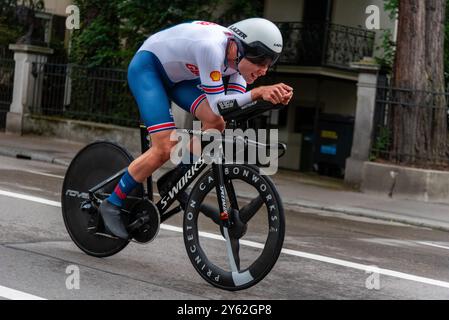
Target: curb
372, 214
297, 205
36, 156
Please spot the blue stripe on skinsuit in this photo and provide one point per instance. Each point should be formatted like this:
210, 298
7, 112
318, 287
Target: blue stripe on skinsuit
148, 83
185, 93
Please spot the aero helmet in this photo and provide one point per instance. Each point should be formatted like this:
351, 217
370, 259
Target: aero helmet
258, 40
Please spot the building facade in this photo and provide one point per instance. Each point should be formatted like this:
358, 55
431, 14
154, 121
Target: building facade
321, 39
57, 7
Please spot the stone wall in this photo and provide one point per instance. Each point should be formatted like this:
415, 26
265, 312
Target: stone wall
405, 182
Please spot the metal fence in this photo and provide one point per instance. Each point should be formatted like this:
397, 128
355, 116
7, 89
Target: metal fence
408, 114
7, 66
324, 44
81, 93
5, 53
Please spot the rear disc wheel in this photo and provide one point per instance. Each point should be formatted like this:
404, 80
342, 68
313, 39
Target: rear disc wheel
92, 165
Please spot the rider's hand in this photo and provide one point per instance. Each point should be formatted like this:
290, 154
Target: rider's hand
286, 99
276, 94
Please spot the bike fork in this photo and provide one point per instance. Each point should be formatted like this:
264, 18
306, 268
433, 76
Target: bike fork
221, 194
225, 218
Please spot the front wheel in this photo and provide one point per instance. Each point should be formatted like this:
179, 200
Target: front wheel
241, 256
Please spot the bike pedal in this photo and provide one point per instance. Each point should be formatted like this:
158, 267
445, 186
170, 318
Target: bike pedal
145, 221
88, 207
138, 223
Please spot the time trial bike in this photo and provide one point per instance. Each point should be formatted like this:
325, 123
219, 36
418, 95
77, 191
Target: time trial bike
233, 218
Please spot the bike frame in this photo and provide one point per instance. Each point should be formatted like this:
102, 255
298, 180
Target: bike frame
168, 199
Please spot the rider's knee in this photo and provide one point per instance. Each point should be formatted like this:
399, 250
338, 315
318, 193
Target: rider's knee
216, 123
162, 153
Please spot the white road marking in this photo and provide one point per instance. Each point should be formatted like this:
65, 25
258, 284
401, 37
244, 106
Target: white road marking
29, 198
390, 242
44, 174
430, 244
339, 262
12, 294
367, 268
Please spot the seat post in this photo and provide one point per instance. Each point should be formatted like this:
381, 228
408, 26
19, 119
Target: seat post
144, 141
145, 146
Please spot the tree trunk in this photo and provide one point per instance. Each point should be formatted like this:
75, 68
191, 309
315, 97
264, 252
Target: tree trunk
419, 116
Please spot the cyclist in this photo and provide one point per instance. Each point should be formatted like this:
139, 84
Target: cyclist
186, 63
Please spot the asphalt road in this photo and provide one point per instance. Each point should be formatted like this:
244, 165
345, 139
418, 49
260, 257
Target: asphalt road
326, 256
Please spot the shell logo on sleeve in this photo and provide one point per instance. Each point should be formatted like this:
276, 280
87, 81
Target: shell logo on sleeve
215, 75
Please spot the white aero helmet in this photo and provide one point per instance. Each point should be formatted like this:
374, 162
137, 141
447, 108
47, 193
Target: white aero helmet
259, 40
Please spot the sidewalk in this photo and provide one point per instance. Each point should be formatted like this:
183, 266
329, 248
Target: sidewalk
299, 191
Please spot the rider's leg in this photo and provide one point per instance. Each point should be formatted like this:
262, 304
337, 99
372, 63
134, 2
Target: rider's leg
144, 166
187, 95
154, 158
208, 118
138, 171
148, 84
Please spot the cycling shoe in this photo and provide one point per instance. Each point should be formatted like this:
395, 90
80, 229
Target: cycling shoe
112, 220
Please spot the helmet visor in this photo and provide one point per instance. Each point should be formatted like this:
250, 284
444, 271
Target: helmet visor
259, 54
261, 60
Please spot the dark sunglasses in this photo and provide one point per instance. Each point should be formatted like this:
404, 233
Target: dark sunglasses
259, 55
261, 60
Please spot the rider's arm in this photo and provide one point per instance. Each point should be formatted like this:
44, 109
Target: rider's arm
236, 84
210, 59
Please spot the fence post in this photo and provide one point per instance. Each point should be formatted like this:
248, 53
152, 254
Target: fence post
364, 120
24, 56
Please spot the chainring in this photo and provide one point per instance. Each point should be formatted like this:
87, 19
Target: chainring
149, 230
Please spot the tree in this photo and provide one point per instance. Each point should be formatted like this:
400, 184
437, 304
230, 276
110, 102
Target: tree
446, 48
132, 21
389, 46
112, 31
97, 41
17, 20
237, 10
420, 118
140, 18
